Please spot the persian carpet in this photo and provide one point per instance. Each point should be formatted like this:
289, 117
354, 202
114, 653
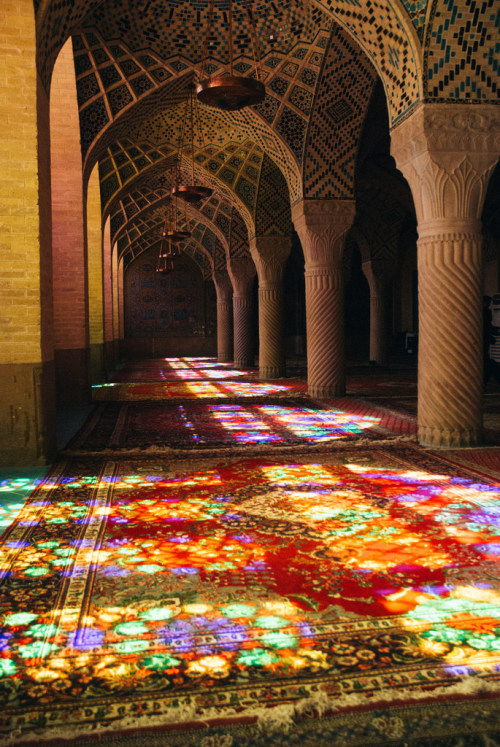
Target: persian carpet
196, 425
206, 390
345, 598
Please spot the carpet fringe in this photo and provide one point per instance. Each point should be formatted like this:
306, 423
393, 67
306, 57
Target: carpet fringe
269, 719
239, 450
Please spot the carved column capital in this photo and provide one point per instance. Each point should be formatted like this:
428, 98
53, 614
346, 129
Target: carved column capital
447, 153
223, 286
270, 254
321, 226
242, 272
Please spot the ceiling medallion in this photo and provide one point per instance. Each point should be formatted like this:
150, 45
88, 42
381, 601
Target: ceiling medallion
228, 91
190, 192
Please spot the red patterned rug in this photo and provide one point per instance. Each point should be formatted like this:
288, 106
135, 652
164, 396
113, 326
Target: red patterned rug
348, 598
195, 425
206, 390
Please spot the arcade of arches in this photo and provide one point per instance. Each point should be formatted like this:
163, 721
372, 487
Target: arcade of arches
373, 151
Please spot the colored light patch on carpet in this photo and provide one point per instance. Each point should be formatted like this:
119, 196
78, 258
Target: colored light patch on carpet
355, 574
220, 425
184, 390
316, 425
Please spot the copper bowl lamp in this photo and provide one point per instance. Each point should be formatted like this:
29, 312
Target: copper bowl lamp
230, 92
191, 192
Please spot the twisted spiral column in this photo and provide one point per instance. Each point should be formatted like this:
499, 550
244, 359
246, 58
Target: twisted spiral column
270, 254
224, 331
379, 274
325, 332
224, 291
322, 225
271, 349
450, 370
242, 272
243, 332
447, 153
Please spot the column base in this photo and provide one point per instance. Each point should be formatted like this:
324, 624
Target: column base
244, 363
72, 376
224, 357
109, 356
27, 414
326, 392
97, 363
445, 438
272, 372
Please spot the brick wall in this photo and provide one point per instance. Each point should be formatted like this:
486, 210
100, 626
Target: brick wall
68, 245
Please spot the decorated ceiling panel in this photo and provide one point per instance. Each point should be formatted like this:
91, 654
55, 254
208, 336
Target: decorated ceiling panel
461, 56
135, 61
347, 82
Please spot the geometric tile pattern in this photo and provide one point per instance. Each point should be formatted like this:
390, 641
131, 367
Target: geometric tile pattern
238, 241
273, 214
461, 62
381, 33
170, 304
133, 60
347, 80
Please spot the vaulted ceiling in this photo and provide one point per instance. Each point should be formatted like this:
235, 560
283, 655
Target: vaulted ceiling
136, 61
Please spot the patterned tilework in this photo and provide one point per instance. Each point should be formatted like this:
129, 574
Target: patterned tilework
292, 128
381, 34
164, 304
273, 205
238, 242
173, 32
179, 29
137, 229
341, 104
417, 9
461, 60
146, 162
123, 161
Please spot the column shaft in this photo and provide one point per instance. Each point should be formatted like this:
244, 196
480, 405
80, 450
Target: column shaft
224, 331
379, 332
447, 153
243, 331
271, 349
325, 332
270, 254
242, 273
322, 225
450, 340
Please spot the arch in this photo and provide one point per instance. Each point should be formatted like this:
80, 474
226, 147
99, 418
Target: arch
71, 330
95, 278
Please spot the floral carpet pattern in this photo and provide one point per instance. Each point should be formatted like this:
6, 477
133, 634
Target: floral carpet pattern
345, 596
219, 587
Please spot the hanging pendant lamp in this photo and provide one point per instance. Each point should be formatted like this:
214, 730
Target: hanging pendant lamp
170, 231
190, 192
228, 91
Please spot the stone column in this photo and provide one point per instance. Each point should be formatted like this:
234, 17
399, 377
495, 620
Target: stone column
379, 276
270, 254
321, 226
242, 272
447, 153
224, 291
